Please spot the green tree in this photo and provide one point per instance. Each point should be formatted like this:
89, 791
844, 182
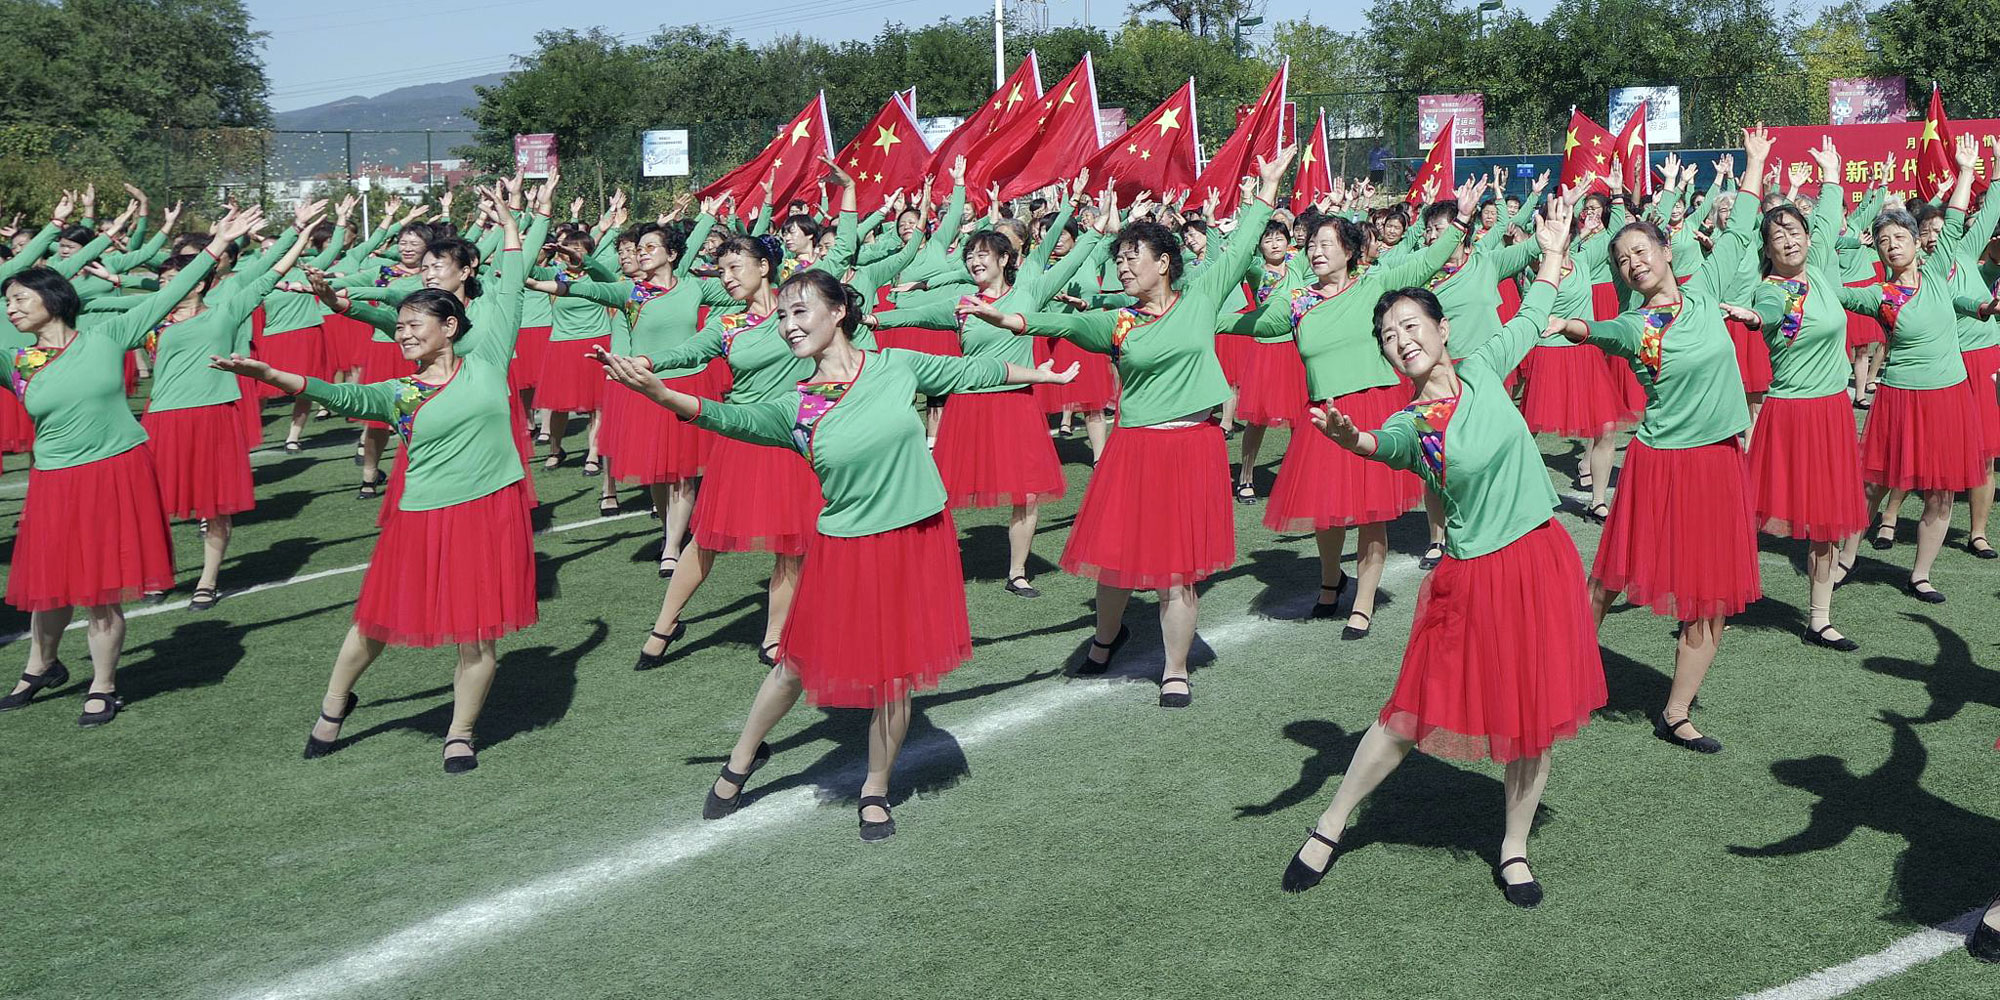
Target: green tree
1954, 42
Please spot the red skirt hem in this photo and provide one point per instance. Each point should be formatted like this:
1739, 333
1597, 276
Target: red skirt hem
1682, 535
1572, 392
1980, 367
91, 535
1157, 512
1805, 469
1753, 357
756, 499
646, 444
1921, 439
202, 460
993, 450
1322, 485
464, 573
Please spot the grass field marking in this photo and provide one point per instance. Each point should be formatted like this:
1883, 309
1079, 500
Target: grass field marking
182, 605
1904, 954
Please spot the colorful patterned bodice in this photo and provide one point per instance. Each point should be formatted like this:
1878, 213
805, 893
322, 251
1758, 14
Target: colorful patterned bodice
390, 273
411, 395
816, 400
28, 363
1894, 298
736, 323
642, 293
1653, 336
1129, 319
1795, 304
1431, 419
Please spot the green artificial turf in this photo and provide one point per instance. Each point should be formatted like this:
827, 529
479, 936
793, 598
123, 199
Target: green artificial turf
1059, 836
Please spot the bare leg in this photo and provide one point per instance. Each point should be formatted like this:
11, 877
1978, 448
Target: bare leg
107, 642
1603, 450
1228, 416
596, 424
1434, 510
694, 567
1980, 498
374, 440
1371, 555
675, 502
45, 632
214, 546
1379, 753
556, 427
1755, 400
784, 584
1892, 511
1822, 568
1331, 542
1111, 603
357, 652
1253, 443
776, 696
1524, 781
1600, 602
301, 409
886, 730
1930, 532
1021, 538
1096, 430
1694, 653
1178, 608
469, 684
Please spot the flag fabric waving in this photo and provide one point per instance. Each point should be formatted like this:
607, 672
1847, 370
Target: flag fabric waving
1315, 174
1015, 97
1635, 153
1010, 150
1156, 154
1588, 148
887, 156
1936, 161
1433, 181
791, 162
1259, 137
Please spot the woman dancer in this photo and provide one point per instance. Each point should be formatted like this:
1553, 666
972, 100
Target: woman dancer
456, 564
295, 335
1503, 659
1155, 515
1321, 486
1682, 536
881, 605
92, 533
1805, 463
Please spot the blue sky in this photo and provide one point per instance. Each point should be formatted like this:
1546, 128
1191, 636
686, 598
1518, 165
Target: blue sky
369, 46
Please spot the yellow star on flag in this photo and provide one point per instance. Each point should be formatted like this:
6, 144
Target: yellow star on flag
1570, 143
885, 136
1145, 154
1597, 140
1132, 147
1309, 159
799, 131
1069, 95
1014, 96
1172, 119
1634, 144
1930, 132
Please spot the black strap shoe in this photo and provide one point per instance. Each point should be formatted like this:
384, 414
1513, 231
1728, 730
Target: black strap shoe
715, 806
317, 748
1300, 876
1090, 666
872, 832
111, 702
653, 661
1349, 632
1526, 895
463, 762
1817, 637
1666, 730
1176, 699
54, 676
1331, 608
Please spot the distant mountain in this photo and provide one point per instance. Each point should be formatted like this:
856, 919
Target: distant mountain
406, 112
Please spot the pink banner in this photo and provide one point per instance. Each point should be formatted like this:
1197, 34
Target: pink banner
1468, 110
535, 155
1868, 100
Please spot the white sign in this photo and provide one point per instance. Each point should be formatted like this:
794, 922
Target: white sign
664, 153
934, 130
1663, 112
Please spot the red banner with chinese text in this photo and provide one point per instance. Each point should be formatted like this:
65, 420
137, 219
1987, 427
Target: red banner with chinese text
1871, 153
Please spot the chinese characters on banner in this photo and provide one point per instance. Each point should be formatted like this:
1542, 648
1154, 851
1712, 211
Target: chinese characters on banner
1871, 153
664, 153
1868, 100
1468, 111
535, 155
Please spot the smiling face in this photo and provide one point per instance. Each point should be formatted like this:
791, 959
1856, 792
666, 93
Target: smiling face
906, 223
410, 250
743, 275
1328, 256
1392, 229
1195, 240
25, 308
808, 322
628, 260
441, 271
1140, 270
1646, 266
420, 335
1412, 340
987, 266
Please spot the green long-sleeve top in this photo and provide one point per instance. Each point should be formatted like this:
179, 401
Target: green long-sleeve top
935, 264
1470, 293
761, 363
836, 261
1473, 449
1965, 242
1166, 363
182, 378
464, 448
867, 278
289, 312
1682, 353
75, 394
1803, 324
1336, 333
659, 318
1922, 322
358, 256
1857, 261
32, 252
864, 442
143, 251
1032, 291
576, 317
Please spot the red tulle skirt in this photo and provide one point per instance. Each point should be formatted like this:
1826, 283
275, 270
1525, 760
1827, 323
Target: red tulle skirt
202, 461
1322, 485
1604, 302
879, 616
756, 499
462, 573
1753, 357
17, 429
343, 334
1046, 395
1510, 299
1682, 535
1805, 469
1572, 392
1274, 385
301, 352
91, 535
382, 360
569, 379
1234, 354
1503, 658
645, 443
993, 450
1157, 512
912, 338
529, 349
1980, 366
257, 320
1864, 329
1096, 383
1923, 439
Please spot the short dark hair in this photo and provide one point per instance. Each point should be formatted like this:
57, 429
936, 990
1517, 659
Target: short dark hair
439, 305
1150, 235
57, 294
1423, 297
833, 293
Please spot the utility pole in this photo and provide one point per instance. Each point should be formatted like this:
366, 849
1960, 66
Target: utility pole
1484, 6
1247, 22
999, 44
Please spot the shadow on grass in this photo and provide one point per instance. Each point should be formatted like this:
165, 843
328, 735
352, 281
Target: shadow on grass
199, 652
1952, 679
532, 688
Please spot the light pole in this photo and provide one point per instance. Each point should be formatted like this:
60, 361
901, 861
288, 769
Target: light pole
999, 46
1248, 22
1484, 6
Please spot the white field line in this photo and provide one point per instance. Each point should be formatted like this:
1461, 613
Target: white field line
1904, 954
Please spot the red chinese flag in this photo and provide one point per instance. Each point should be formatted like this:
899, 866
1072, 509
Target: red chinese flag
1260, 136
1587, 149
1016, 95
1060, 117
791, 160
1635, 153
1315, 173
886, 157
1937, 161
1156, 154
1434, 182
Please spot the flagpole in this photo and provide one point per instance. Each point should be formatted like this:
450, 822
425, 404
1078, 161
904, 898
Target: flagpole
999, 46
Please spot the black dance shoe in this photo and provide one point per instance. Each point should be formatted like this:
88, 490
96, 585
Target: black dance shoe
1433, 554
1300, 876
1984, 942
768, 655
317, 748
55, 676
1331, 609
1090, 666
1665, 730
1931, 596
653, 661
873, 832
1020, 586
715, 806
1817, 637
1883, 542
1350, 633
1176, 699
112, 703
460, 764
371, 488
1979, 546
1526, 895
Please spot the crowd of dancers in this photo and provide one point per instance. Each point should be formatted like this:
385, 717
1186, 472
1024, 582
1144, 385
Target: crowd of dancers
828, 388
